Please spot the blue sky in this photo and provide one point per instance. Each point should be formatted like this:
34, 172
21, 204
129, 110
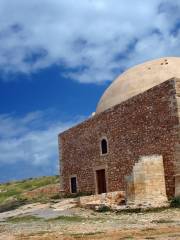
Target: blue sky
56, 59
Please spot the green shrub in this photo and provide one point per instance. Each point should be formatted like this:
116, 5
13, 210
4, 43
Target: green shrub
55, 196
103, 208
175, 202
75, 195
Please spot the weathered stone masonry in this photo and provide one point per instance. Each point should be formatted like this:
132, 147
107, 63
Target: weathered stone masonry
145, 124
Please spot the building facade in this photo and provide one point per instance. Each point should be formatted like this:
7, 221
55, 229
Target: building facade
139, 118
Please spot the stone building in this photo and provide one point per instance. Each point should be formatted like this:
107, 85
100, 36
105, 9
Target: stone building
132, 142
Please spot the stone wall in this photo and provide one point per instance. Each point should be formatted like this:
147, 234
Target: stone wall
147, 183
143, 125
177, 146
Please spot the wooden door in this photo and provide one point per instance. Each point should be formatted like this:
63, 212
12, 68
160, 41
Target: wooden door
101, 181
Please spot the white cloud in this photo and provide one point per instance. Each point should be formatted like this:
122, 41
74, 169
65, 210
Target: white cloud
93, 39
29, 140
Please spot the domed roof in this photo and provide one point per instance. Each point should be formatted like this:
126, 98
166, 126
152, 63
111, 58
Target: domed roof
139, 79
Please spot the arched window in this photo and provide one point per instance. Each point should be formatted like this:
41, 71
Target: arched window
104, 146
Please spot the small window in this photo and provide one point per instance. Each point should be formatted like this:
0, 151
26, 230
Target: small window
104, 147
73, 185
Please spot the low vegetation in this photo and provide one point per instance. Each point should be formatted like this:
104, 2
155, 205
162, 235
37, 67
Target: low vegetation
17, 193
82, 235
79, 194
103, 208
162, 221
22, 219
67, 219
175, 202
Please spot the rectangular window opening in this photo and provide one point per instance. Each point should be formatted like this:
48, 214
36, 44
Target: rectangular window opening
73, 185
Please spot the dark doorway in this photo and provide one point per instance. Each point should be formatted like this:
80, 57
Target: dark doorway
101, 181
73, 185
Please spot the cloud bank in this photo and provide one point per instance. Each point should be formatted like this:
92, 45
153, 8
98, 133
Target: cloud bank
30, 144
93, 39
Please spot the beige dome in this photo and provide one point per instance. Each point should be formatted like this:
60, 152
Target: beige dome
139, 79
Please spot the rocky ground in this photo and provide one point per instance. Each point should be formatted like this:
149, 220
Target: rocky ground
40, 214
63, 219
